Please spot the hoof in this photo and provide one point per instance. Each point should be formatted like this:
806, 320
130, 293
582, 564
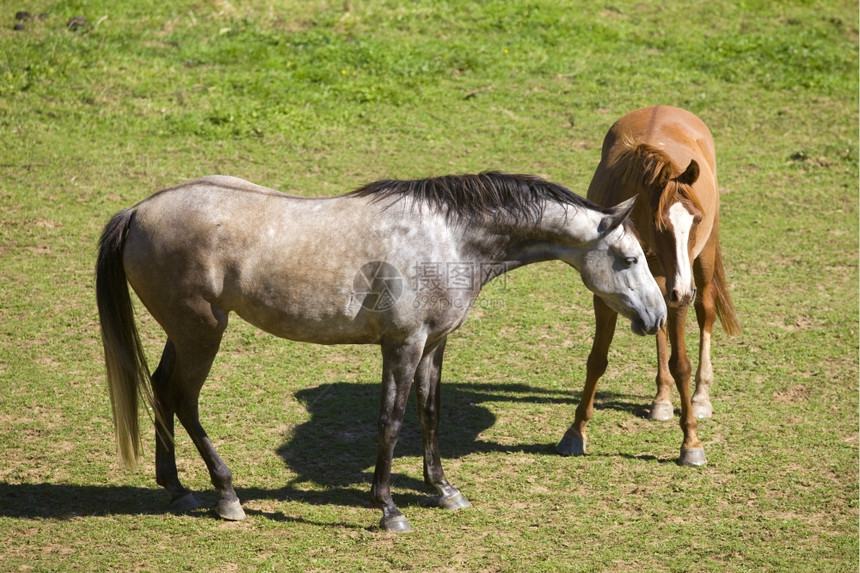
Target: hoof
702, 410
395, 524
454, 502
186, 502
693, 457
230, 510
661, 411
571, 445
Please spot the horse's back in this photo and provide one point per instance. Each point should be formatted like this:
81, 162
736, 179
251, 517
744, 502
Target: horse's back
195, 194
228, 182
187, 220
677, 132
680, 133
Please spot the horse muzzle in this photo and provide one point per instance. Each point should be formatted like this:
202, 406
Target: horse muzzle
681, 297
648, 325
639, 327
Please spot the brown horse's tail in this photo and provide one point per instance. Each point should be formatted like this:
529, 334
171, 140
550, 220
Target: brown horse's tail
127, 372
722, 300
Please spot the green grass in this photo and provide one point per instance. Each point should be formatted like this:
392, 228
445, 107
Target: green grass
317, 98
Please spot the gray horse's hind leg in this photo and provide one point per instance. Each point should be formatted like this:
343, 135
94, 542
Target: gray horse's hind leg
181, 498
427, 389
194, 329
192, 365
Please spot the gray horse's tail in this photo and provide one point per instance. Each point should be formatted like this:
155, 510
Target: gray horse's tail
127, 371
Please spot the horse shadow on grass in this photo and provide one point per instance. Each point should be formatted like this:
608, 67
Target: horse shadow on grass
332, 455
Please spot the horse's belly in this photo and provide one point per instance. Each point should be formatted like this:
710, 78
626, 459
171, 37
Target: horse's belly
336, 321
351, 317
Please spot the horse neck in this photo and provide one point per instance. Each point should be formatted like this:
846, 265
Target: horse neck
560, 234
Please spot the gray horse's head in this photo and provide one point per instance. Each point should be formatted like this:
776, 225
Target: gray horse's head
615, 269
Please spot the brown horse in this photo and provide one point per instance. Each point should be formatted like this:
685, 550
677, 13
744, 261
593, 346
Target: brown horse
664, 156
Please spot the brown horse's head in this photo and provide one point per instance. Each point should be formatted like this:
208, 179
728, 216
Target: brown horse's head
674, 215
676, 218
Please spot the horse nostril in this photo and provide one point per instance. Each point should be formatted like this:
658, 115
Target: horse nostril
678, 298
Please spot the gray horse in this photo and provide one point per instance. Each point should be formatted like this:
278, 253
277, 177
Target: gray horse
395, 263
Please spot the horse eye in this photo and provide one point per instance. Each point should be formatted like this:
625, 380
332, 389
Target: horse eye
630, 261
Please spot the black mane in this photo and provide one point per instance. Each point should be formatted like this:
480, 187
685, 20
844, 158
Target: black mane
491, 193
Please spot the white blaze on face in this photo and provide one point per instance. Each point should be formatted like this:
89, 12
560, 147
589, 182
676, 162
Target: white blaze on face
682, 223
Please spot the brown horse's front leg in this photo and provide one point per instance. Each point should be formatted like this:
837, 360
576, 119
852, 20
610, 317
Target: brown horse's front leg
661, 406
692, 452
575, 440
399, 363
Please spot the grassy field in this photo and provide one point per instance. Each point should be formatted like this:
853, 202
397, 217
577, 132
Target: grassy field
317, 98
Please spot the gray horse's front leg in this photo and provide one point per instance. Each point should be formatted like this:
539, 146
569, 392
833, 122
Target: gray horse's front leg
428, 385
399, 362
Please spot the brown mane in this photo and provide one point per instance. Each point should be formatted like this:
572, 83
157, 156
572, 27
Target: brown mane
652, 172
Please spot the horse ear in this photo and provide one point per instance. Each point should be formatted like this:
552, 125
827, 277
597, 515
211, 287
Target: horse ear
690, 175
615, 216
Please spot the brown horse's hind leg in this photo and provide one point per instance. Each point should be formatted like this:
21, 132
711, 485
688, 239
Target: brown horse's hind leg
575, 440
706, 314
427, 387
181, 498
